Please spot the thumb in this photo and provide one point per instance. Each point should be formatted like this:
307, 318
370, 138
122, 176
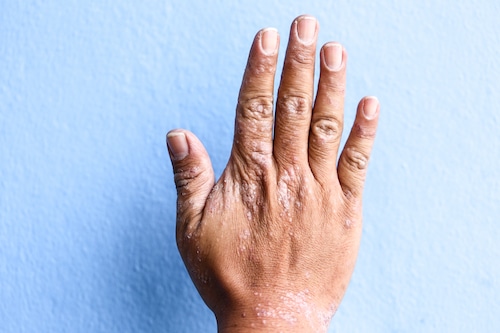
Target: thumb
193, 176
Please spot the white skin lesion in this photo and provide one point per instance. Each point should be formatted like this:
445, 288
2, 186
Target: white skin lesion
284, 195
293, 307
276, 240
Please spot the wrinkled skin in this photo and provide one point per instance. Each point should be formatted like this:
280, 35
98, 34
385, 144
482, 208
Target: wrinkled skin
272, 244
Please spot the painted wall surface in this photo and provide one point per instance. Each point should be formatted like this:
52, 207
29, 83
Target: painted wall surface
88, 90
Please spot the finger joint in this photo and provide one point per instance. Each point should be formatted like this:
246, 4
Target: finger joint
299, 104
364, 132
355, 159
256, 107
328, 129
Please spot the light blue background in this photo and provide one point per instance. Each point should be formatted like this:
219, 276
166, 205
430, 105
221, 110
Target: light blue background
88, 90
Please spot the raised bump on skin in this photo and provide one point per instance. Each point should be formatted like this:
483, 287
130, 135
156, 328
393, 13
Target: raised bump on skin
355, 159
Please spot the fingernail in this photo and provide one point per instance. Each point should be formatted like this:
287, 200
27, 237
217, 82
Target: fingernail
306, 29
333, 56
370, 107
269, 40
178, 145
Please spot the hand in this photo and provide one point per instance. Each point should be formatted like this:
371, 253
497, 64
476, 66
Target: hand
272, 245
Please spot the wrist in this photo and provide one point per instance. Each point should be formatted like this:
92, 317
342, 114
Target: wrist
292, 312
266, 325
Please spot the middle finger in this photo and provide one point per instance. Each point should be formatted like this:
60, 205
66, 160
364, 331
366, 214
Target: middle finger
295, 95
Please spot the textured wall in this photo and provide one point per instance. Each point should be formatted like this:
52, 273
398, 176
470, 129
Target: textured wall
88, 90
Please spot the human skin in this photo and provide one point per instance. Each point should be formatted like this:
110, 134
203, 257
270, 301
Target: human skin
271, 246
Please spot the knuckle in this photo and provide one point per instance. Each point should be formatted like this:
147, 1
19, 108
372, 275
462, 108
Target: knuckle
299, 57
262, 65
251, 164
355, 159
296, 103
261, 160
365, 132
184, 179
328, 129
255, 107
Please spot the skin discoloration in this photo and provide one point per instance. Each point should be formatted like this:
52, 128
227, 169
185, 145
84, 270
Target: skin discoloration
355, 159
327, 129
271, 245
295, 105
